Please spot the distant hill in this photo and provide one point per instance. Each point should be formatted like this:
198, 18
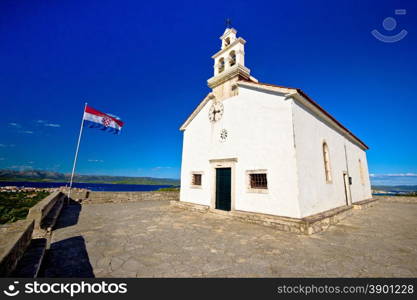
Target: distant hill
47, 176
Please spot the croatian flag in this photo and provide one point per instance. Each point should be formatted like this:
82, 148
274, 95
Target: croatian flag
96, 119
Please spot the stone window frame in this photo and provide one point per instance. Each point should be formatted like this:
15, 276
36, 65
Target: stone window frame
227, 42
249, 188
361, 172
221, 65
326, 162
232, 58
195, 186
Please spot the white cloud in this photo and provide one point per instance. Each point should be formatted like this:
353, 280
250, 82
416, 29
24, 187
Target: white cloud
95, 160
5, 145
21, 167
160, 168
46, 123
394, 175
2, 158
52, 125
28, 131
13, 124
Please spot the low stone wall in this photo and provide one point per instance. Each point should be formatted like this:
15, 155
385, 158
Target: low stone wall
14, 239
322, 221
41, 210
78, 194
364, 203
403, 199
121, 197
308, 225
280, 223
190, 206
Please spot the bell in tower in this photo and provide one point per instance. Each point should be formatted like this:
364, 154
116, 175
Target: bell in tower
229, 65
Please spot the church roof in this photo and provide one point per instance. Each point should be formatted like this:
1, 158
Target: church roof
290, 92
311, 101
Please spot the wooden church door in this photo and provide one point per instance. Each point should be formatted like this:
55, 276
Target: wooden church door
223, 188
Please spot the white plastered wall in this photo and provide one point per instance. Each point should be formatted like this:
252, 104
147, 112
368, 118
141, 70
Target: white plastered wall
315, 194
260, 136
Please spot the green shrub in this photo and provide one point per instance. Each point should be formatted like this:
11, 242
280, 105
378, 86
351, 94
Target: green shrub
169, 189
15, 206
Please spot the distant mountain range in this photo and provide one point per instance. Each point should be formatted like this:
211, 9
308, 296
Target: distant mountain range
47, 176
401, 189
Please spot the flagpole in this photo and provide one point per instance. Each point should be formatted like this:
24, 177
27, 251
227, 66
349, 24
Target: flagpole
76, 155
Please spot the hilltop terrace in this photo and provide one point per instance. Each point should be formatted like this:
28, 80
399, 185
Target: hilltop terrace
143, 234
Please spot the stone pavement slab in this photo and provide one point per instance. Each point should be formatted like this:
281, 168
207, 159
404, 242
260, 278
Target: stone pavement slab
153, 239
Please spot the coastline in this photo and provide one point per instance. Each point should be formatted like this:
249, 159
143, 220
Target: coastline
104, 187
46, 180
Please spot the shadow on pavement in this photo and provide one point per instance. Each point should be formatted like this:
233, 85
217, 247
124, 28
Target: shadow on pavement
69, 215
67, 258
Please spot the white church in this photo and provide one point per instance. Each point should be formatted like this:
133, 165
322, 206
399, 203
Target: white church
268, 149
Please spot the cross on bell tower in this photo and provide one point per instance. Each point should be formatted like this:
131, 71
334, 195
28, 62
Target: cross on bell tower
228, 23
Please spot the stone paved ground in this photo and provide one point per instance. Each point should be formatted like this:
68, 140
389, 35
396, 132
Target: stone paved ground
152, 239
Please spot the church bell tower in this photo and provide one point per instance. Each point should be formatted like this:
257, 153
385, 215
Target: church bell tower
229, 66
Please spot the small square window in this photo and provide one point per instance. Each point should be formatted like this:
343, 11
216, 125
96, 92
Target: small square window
196, 179
258, 181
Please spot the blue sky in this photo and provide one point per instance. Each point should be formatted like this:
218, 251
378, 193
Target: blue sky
148, 63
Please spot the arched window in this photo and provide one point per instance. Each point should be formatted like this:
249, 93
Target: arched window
361, 172
326, 158
232, 58
221, 65
227, 42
